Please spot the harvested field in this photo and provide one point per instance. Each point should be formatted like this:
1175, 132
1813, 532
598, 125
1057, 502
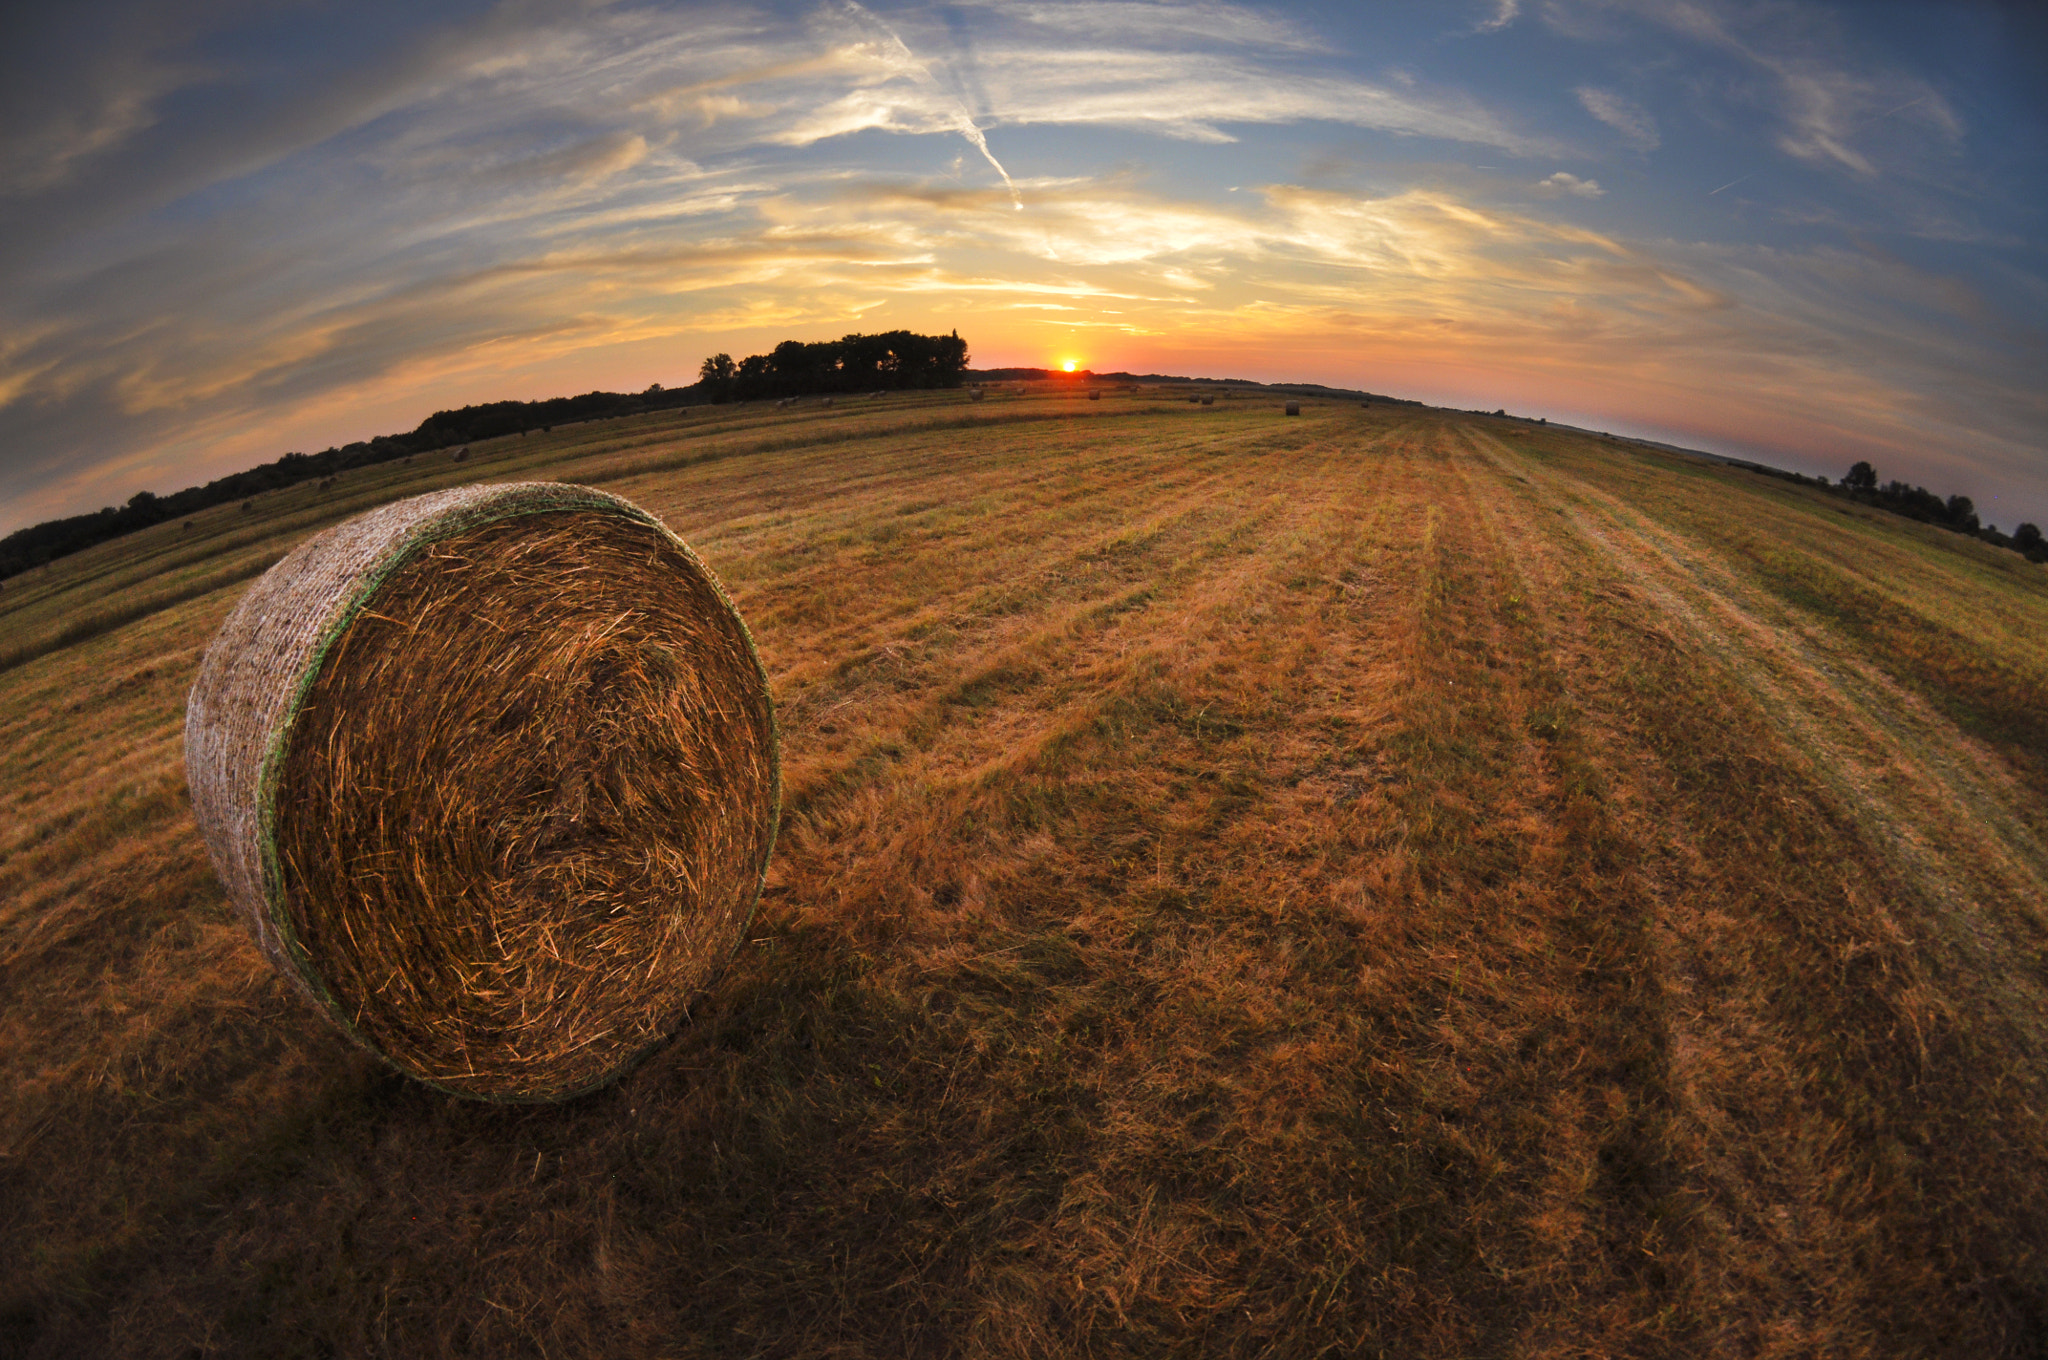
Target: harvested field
1375, 882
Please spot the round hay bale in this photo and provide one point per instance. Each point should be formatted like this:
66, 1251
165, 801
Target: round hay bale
1094, 395
491, 775
974, 394
1294, 408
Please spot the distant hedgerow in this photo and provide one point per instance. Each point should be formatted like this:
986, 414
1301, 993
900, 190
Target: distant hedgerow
1958, 513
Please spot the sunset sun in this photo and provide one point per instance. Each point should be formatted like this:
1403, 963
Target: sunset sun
1068, 365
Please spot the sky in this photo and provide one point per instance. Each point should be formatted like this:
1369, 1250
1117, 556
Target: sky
1807, 233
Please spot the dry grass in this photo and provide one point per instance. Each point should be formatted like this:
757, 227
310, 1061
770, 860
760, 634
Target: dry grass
1367, 883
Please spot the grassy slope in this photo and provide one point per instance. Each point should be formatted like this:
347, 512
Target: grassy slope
1371, 882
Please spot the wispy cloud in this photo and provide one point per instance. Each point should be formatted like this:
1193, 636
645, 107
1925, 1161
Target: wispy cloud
1622, 114
1151, 24
1830, 104
1191, 73
67, 100
1504, 12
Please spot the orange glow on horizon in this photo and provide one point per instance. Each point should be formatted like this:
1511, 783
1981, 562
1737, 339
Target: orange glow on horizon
1068, 365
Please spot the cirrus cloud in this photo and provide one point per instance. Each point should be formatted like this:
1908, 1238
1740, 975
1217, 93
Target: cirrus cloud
1622, 114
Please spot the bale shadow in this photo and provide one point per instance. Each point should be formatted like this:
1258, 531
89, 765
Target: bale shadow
746, 1182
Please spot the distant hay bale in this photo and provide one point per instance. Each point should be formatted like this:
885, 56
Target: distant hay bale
1208, 401
462, 454
826, 401
1094, 395
974, 394
1294, 408
491, 775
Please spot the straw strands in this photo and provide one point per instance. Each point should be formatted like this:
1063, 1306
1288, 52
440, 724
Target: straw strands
491, 774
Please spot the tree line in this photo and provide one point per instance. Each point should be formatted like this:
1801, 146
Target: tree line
896, 360
52, 539
1958, 513
893, 361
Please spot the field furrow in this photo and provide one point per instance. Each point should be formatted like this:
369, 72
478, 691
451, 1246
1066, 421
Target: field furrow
1805, 997
1387, 882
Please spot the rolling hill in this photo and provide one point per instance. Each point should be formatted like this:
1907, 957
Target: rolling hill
1384, 882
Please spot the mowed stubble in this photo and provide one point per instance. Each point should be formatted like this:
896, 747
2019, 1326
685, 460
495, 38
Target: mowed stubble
1377, 881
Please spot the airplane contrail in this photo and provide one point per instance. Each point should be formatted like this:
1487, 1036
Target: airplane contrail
1900, 109
1731, 184
975, 135
965, 123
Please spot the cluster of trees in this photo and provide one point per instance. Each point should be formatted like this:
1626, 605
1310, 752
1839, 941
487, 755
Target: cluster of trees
45, 542
891, 361
1957, 512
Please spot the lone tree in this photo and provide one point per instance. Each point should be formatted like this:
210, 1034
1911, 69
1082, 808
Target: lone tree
717, 373
1862, 477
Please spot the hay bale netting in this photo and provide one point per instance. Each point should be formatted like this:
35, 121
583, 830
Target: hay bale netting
491, 775
1294, 408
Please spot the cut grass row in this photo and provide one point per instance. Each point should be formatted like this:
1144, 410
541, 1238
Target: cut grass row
1249, 889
